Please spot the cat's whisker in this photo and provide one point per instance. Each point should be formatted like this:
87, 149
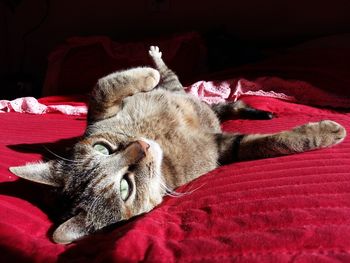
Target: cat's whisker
195, 189
170, 192
60, 157
90, 213
174, 193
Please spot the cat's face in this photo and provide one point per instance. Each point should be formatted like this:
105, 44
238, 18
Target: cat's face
108, 179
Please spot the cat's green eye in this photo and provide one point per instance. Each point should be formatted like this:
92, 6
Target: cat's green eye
124, 189
98, 147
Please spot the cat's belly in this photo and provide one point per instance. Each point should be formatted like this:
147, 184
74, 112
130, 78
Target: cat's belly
159, 111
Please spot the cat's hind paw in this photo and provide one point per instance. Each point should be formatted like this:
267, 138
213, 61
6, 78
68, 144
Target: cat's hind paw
155, 52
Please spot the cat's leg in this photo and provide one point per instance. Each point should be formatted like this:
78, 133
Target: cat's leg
168, 78
108, 93
311, 136
239, 109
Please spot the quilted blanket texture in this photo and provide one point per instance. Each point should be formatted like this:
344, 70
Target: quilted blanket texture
288, 209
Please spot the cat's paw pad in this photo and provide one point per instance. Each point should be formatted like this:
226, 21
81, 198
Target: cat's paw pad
155, 52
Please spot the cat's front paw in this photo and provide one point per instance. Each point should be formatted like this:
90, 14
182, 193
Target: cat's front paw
151, 80
323, 134
155, 52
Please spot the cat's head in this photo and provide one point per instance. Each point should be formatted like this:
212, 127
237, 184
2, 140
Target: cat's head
106, 180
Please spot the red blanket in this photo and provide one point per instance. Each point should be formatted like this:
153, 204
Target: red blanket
288, 209
274, 210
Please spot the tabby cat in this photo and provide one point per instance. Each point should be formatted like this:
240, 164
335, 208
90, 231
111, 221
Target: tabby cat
145, 137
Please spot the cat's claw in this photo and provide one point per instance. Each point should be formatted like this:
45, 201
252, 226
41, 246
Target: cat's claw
154, 52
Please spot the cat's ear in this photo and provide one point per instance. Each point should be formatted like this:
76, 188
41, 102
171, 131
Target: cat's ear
71, 230
37, 172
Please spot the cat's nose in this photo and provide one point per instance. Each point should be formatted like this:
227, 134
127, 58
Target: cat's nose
144, 145
136, 151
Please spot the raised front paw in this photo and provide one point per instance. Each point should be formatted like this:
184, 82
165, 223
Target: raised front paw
151, 79
134, 80
154, 52
322, 134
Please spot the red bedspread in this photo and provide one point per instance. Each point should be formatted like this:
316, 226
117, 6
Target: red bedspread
288, 209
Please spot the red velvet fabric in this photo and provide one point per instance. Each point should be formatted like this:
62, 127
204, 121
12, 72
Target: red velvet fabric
287, 209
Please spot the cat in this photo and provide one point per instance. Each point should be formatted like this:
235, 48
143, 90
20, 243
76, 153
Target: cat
145, 137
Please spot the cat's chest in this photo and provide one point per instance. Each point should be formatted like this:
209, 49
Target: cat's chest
150, 114
158, 112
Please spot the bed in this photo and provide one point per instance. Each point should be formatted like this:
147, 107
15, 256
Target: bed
287, 209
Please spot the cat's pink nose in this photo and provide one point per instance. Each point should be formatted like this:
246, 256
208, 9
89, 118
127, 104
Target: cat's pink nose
136, 151
144, 145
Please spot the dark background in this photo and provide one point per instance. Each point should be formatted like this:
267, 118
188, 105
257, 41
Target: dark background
31, 29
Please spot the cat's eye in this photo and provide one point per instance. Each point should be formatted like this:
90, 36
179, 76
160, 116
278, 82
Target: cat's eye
101, 148
125, 189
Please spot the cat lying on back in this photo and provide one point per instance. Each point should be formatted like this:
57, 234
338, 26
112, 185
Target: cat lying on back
145, 137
